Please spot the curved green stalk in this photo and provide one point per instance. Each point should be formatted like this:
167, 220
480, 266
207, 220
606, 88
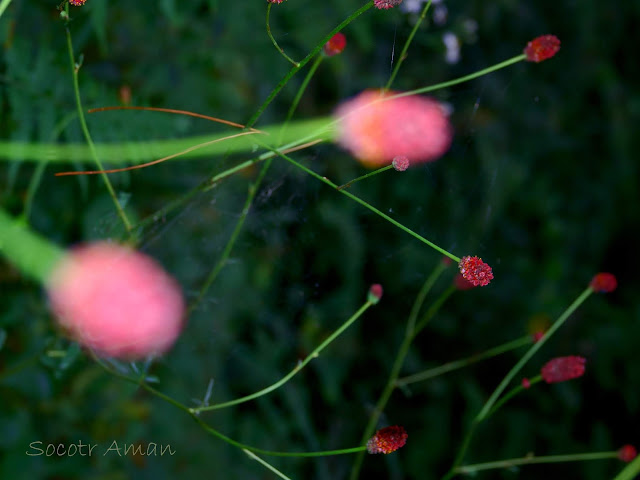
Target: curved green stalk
314, 354
273, 40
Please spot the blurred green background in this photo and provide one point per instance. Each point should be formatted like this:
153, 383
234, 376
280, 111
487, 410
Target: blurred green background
541, 182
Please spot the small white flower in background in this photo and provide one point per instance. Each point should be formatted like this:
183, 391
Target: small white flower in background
440, 14
415, 6
452, 44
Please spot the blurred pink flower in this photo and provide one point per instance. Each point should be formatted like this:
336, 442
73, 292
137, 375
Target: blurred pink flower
376, 128
627, 453
116, 301
77, 3
561, 369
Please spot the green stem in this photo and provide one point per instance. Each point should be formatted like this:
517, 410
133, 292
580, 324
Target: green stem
254, 118
403, 54
397, 365
433, 309
459, 80
273, 40
3, 6
32, 254
370, 174
298, 97
457, 364
314, 354
220, 264
512, 393
364, 204
514, 371
264, 463
630, 471
87, 136
530, 460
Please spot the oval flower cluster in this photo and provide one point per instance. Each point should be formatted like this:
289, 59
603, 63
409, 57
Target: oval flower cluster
116, 301
475, 271
377, 127
561, 369
385, 4
387, 440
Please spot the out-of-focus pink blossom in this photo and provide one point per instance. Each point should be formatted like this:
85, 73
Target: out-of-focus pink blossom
116, 301
376, 128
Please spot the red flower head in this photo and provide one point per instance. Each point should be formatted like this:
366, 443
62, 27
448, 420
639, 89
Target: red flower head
542, 48
603, 283
335, 45
275, 1
387, 440
375, 293
627, 453
384, 4
474, 270
77, 3
116, 301
376, 129
561, 369
526, 383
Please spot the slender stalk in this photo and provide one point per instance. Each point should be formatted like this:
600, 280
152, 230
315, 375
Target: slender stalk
531, 460
630, 471
403, 54
326, 181
273, 40
3, 6
85, 130
370, 174
264, 463
457, 364
314, 354
254, 118
224, 258
512, 393
513, 372
397, 365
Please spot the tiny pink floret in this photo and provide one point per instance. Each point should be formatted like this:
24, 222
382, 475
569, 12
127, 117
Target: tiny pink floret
335, 45
376, 128
117, 301
627, 453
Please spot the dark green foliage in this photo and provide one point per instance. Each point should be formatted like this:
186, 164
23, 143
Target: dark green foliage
541, 182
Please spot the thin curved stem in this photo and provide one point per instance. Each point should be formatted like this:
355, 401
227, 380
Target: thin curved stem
273, 40
403, 54
85, 130
314, 354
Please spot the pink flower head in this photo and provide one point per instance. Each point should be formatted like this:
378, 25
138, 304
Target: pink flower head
627, 453
376, 128
603, 283
526, 383
387, 440
400, 163
474, 270
542, 48
116, 301
335, 45
77, 3
375, 293
561, 369
275, 1
384, 4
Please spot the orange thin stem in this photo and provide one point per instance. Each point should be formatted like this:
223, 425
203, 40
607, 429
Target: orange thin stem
171, 110
154, 162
